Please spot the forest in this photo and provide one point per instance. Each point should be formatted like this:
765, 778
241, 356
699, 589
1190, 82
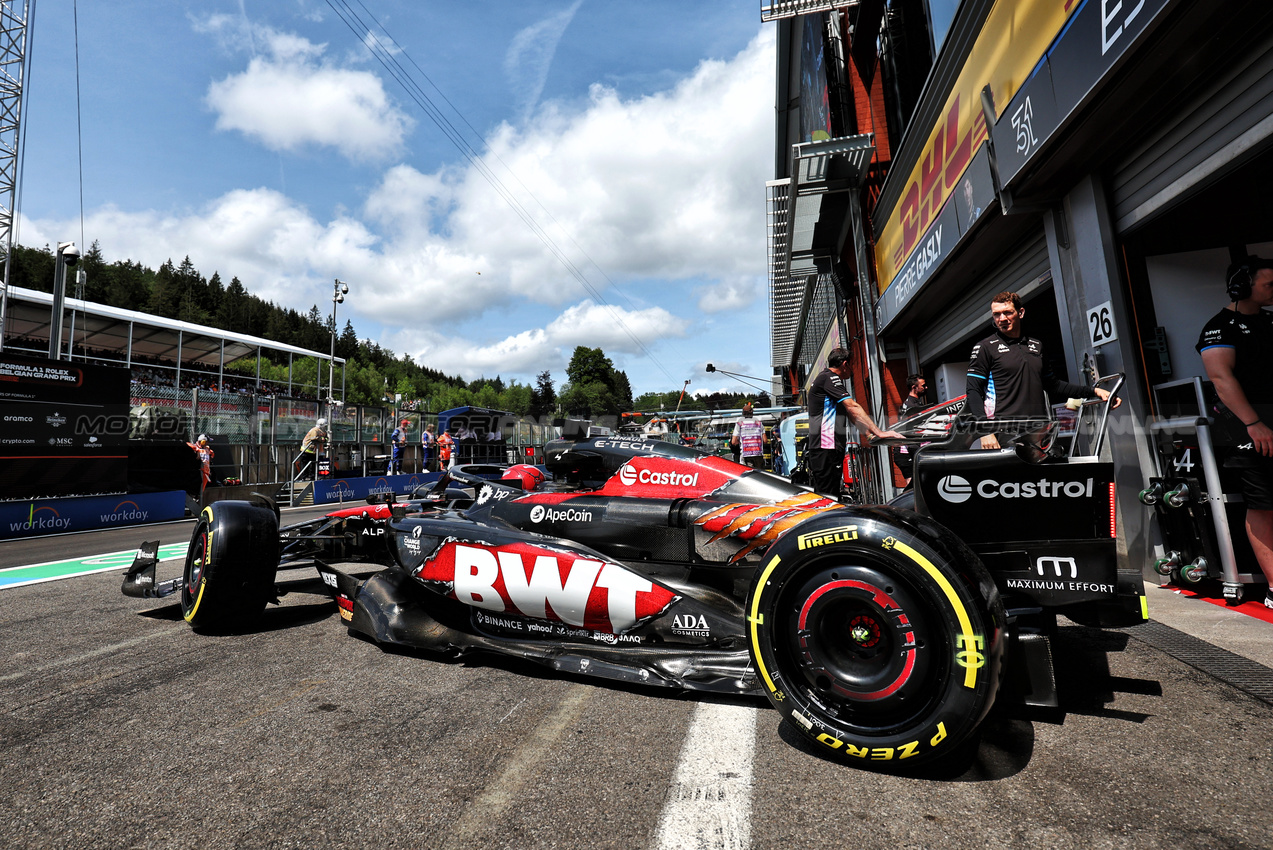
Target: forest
373, 374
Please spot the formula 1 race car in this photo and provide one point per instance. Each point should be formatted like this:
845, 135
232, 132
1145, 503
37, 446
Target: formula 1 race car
879, 632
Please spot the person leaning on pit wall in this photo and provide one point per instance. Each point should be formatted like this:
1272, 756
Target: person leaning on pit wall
314, 444
1237, 352
205, 453
1008, 374
831, 410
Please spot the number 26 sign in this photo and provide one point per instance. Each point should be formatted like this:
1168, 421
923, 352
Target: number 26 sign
1100, 324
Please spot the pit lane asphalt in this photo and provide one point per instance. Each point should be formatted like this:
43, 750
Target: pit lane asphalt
119, 727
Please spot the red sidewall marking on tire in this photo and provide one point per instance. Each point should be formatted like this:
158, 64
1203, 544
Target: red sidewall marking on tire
889, 605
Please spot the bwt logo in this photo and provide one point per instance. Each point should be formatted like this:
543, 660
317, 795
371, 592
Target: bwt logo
1057, 564
954, 489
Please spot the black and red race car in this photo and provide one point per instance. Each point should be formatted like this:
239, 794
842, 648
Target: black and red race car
879, 632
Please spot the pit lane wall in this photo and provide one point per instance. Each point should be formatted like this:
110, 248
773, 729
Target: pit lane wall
355, 489
38, 517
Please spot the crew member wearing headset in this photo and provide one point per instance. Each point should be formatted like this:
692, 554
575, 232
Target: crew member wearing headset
1237, 352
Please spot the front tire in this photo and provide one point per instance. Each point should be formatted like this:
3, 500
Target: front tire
878, 635
230, 566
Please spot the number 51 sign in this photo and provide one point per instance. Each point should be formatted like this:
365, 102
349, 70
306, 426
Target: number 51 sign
1100, 324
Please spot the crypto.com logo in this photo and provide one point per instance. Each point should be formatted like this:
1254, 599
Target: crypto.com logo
954, 489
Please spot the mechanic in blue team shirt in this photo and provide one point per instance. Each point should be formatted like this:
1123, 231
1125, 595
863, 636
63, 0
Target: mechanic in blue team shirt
426, 449
1237, 352
398, 440
1008, 375
831, 409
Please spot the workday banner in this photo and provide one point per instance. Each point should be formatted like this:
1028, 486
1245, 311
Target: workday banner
357, 489
38, 517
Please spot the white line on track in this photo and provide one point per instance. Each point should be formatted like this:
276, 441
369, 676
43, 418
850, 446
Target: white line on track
709, 803
474, 826
80, 659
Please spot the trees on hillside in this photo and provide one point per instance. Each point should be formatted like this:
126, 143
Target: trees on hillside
595, 388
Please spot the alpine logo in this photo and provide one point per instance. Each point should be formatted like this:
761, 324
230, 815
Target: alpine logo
691, 625
630, 476
539, 513
546, 584
1061, 565
954, 489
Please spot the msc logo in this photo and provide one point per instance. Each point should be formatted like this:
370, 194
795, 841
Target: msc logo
1057, 564
954, 489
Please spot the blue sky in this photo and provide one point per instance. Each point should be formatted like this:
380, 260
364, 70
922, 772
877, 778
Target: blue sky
266, 142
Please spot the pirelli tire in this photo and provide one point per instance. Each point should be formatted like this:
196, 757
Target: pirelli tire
878, 635
230, 566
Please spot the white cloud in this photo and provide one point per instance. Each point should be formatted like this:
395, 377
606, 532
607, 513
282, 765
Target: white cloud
667, 187
550, 347
289, 98
730, 295
664, 192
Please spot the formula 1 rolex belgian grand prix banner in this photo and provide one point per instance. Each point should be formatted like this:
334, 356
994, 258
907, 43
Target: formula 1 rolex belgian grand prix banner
63, 428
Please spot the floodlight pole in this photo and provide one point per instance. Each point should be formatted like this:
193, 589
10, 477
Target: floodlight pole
339, 290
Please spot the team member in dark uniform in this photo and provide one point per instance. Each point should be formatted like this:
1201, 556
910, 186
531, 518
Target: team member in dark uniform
1237, 352
1008, 376
915, 400
831, 408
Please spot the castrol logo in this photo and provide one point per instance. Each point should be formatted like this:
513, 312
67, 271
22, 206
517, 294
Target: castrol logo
629, 477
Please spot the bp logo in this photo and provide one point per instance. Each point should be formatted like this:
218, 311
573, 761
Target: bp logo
627, 475
954, 489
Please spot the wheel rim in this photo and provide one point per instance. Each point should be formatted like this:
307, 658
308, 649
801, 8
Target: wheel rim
196, 563
866, 645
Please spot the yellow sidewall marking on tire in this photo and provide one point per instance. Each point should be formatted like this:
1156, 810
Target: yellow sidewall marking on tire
961, 613
206, 554
755, 619
194, 609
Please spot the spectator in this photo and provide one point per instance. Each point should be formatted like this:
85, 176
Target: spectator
748, 439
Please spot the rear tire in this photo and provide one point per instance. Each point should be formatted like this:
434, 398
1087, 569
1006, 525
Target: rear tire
230, 566
878, 635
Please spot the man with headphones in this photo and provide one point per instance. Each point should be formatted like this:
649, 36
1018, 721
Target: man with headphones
1237, 352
